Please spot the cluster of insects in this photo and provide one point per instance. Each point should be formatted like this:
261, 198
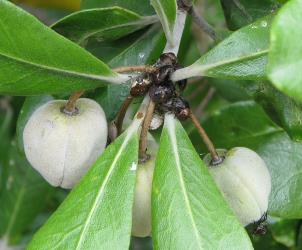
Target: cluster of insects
163, 92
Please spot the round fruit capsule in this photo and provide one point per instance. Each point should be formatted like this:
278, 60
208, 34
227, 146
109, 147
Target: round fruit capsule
62, 147
244, 181
141, 212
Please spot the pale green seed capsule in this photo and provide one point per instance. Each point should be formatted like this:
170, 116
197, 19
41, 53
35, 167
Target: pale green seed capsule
62, 147
141, 212
244, 181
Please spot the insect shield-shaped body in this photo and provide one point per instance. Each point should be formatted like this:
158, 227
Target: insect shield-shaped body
141, 213
178, 106
62, 147
244, 181
140, 85
162, 93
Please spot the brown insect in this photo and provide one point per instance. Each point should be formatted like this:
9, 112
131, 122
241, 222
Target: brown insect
162, 91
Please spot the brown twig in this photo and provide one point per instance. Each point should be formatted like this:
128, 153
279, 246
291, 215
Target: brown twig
215, 157
140, 68
70, 107
122, 113
202, 23
144, 133
243, 10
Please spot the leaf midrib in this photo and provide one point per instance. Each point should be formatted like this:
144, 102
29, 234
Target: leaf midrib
17, 206
140, 22
173, 139
100, 193
198, 68
235, 59
63, 71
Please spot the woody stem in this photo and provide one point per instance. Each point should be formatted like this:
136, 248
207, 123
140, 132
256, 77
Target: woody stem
140, 68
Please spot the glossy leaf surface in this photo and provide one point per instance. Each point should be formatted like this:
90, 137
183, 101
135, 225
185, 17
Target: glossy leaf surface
239, 13
243, 55
245, 124
36, 60
185, 199
97, 212
145, 48
101, 24
285, 54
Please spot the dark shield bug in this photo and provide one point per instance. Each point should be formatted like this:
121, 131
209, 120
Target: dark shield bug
162, 93
179, 106
140, 85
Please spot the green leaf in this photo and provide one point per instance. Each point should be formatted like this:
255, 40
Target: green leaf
30, 104
23, 198
267, 242
97, 212
188, 211
284, 232
36, 60
142, 7
101, 24
243, 55
284, 58
283, 110
245, 124
6, 119
230, 89
166, 11
144, 49
239, 13
299, 237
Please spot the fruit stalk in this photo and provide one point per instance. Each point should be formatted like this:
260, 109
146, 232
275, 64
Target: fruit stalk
122, 113
215, 157
71, 104
144, 133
